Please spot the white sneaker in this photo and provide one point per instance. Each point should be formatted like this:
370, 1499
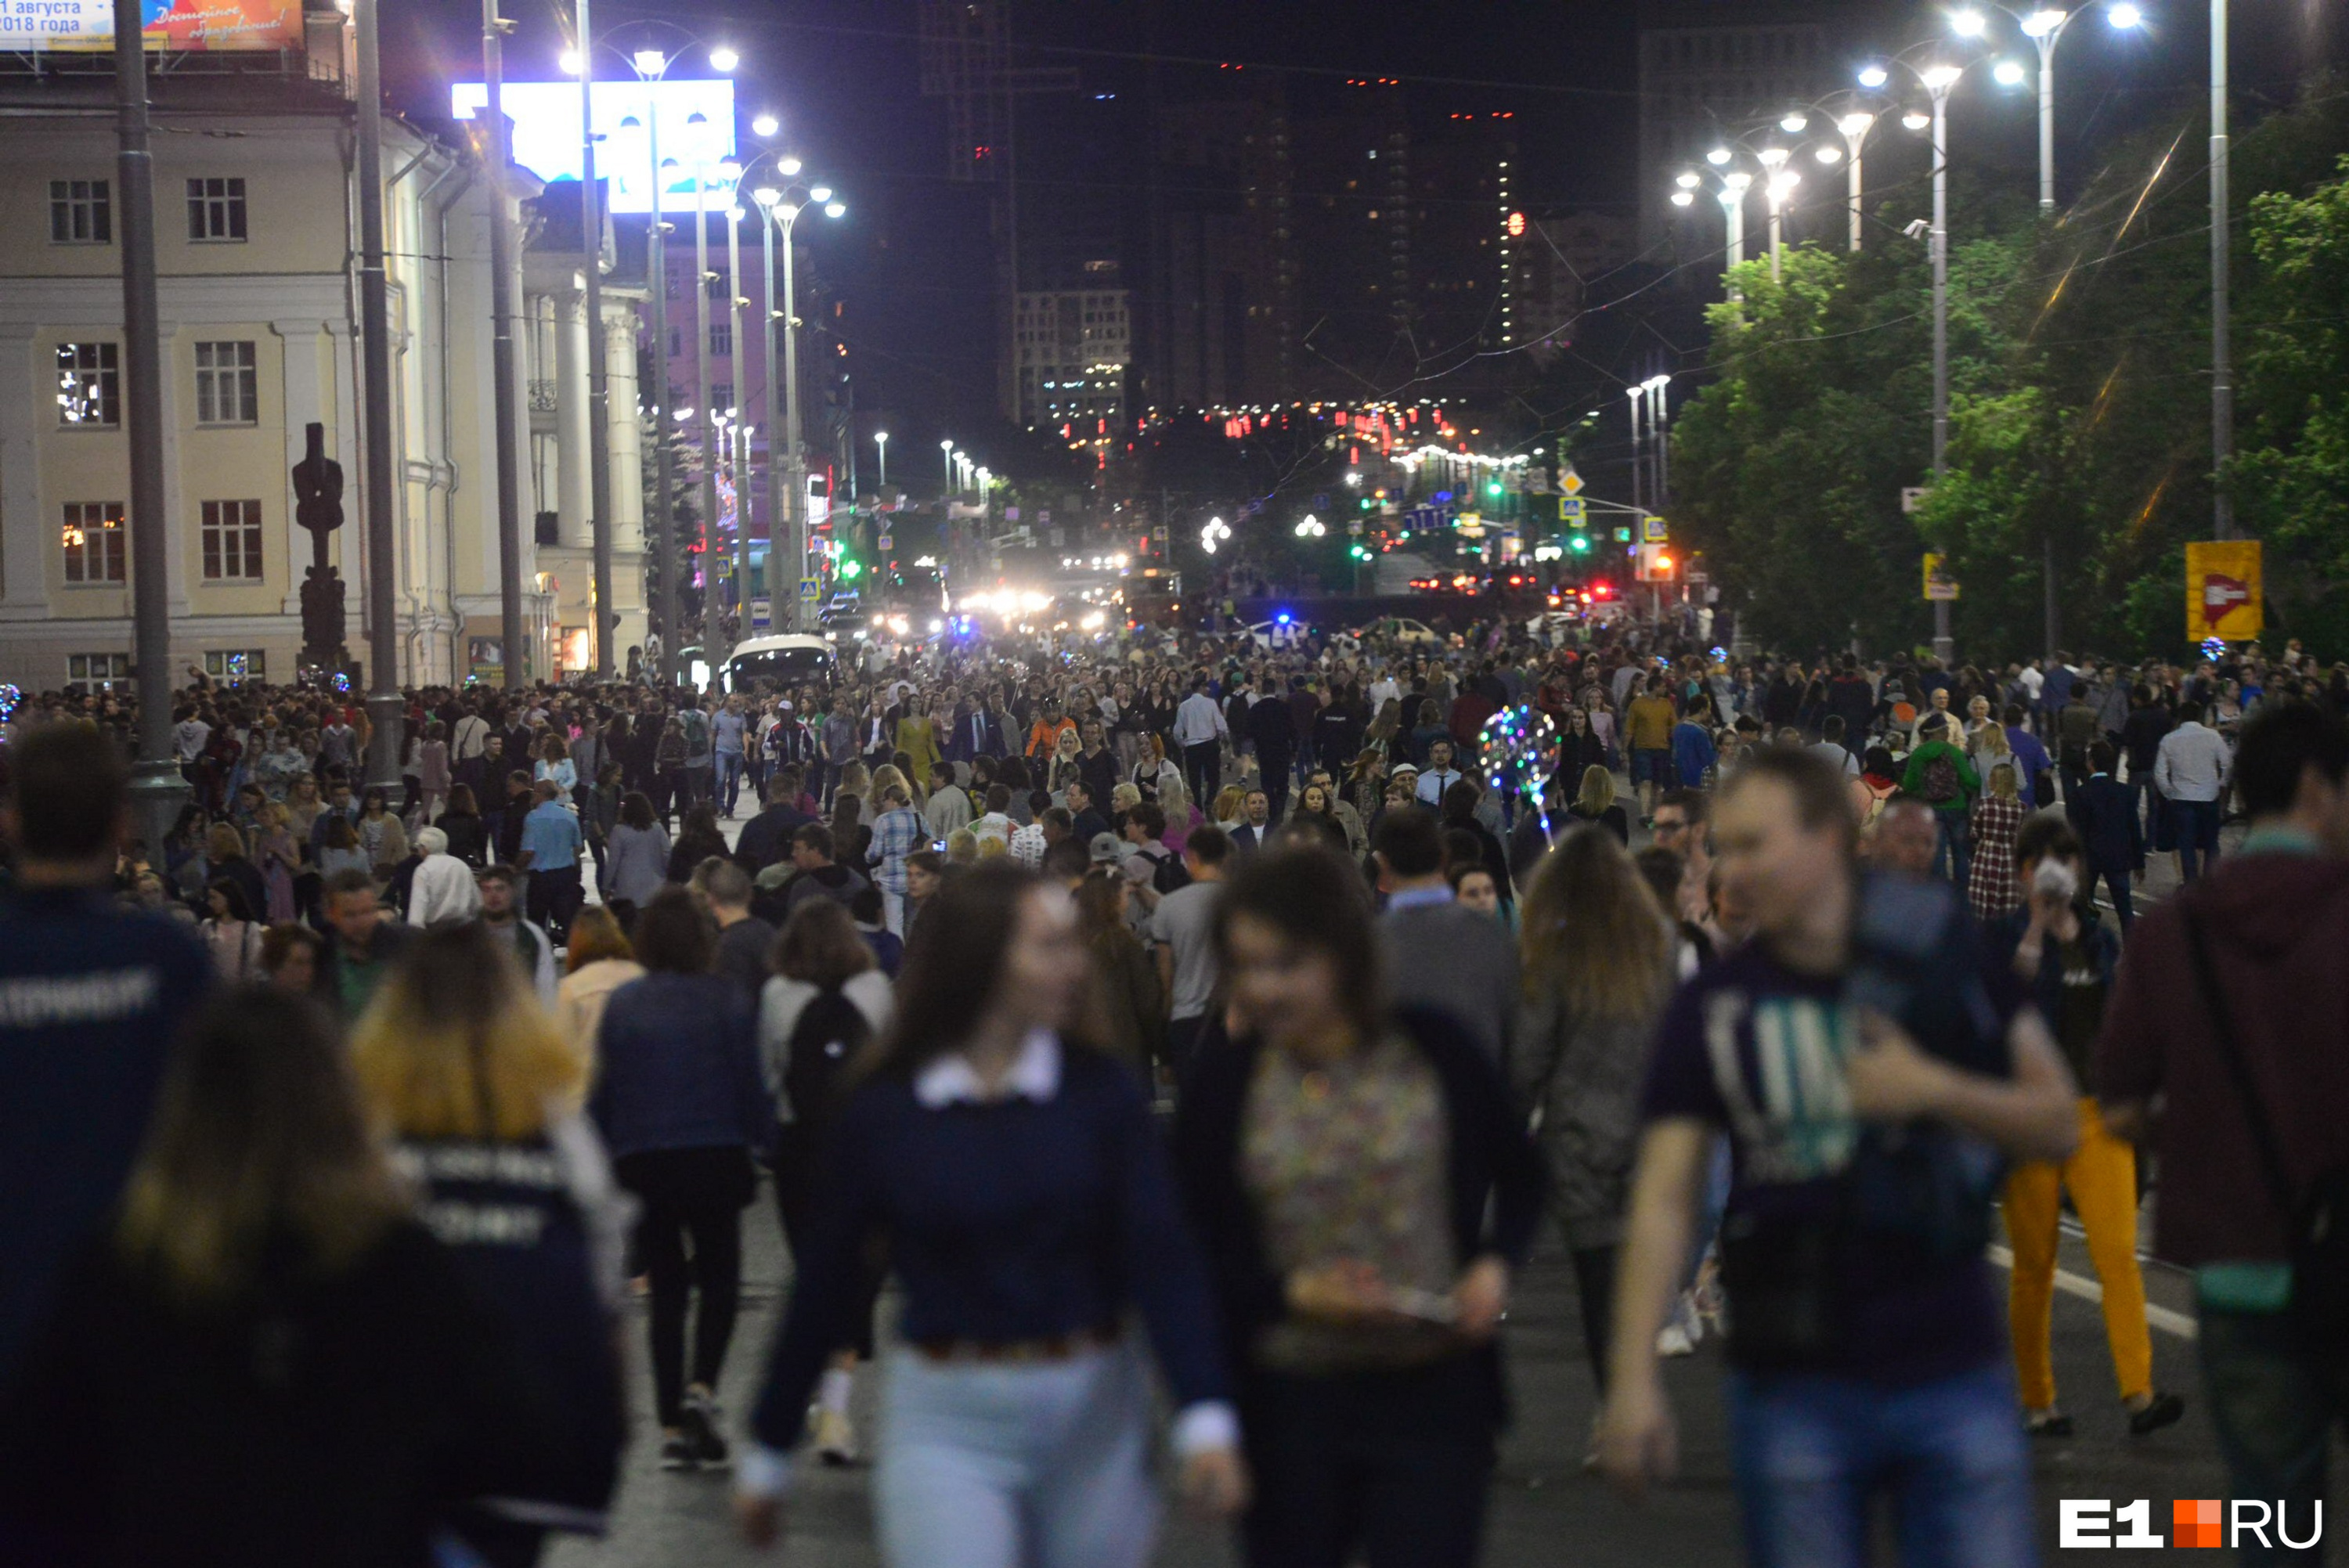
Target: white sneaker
836, 1438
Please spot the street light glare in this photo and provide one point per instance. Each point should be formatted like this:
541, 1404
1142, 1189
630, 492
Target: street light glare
2008, 73
765, 125
1794, 123
1855, 124
1737, 182
1829, 155
1688, 180
821, 194
1916, 119
651, 62
2041, 23
723, 60
788, 166
2124, 17
1684, 197
1774, 156
766, 195
1939, 78
835, 208
1969, 24
1717, 157
1874, 75
571, 62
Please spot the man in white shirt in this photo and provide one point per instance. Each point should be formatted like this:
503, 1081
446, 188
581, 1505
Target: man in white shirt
1440, 774
2190, 770
1200, 730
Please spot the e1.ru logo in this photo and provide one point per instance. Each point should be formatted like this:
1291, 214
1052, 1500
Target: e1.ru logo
2094, 1523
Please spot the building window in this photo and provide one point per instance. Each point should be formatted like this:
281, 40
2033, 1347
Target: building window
90, 385
93, 541
216, 209
235, 665
721, 339
81, 212
227, 392
721, 397
232, 541
97, 669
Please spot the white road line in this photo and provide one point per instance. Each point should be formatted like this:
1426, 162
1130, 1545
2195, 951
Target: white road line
2162, 1317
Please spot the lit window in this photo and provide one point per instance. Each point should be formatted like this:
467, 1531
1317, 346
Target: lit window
97, 669
90, 385
93, 541
235, 665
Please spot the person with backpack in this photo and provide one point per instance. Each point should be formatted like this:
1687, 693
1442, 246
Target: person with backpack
701, 755
826, 1002
1939, 774
2227, 1009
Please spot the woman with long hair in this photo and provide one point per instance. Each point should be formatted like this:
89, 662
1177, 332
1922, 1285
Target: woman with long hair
636, 864
461, 821
1998, 816
380, 834
1231, 807
281, 864
339, 850
1026, 1200
554, 764
482, 1094
229, 931
224, 856
1175, 800
825, 1004
1597, 961
1364, 1189
698, 840
1580, 749
680, 1101
1130, 1005
598, 960
268, 1362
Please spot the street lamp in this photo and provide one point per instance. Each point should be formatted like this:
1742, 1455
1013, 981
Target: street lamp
2044, 27
946, 450
783, 208
1637, 392
651, 66
1734, 183
881, 446
1658, 418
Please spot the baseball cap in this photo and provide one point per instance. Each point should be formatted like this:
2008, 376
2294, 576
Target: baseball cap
1106, 850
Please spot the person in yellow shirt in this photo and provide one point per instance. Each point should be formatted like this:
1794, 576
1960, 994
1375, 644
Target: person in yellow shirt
1647, 737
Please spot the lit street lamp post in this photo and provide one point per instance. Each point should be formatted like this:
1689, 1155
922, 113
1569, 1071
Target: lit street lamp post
881, 448
2222, 362
787, 563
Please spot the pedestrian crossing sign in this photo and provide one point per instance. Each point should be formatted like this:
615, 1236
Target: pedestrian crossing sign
808, 589
1573, 509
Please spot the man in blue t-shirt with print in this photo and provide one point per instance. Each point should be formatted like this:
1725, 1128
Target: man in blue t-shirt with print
1872, 1070
90, 996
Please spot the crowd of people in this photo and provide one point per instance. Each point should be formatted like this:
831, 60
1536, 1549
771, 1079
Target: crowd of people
1157, 1004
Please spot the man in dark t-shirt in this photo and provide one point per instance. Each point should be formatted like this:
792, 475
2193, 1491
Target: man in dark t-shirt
1871, 1068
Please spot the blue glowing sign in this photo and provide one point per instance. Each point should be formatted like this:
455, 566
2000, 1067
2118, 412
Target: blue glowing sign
546, 116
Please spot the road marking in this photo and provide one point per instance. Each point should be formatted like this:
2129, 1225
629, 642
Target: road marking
2162, 1317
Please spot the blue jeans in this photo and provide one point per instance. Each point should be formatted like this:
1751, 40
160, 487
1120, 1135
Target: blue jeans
1951, 850
729, 781
2273, 1420
2197, 825
1034, 1465
1812, 1451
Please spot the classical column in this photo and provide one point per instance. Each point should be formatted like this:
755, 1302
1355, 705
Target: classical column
624, 431
572, 502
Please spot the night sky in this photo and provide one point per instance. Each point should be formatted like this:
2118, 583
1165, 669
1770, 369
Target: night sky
843, 74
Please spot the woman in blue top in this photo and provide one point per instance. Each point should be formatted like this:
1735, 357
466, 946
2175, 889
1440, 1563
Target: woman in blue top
1028, 1211
682, 1102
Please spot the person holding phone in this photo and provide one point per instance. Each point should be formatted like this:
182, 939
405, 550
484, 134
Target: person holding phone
1365, 1190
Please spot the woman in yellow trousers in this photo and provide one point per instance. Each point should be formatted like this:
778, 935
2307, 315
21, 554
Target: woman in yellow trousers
2061, 948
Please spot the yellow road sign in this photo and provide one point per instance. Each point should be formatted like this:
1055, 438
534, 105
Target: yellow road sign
2222, 590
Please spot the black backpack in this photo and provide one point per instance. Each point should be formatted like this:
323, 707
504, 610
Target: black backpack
829, 1034
1168, 871
1943, 785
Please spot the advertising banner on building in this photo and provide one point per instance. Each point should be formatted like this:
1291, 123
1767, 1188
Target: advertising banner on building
191, 26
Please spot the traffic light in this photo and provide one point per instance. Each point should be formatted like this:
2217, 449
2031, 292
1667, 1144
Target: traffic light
1579, 543
1493, 488
1358, 552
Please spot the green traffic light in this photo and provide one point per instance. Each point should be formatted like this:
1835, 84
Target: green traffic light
1580, 544
1493, 488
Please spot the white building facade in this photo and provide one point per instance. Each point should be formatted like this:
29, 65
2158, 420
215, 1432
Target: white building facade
256, 251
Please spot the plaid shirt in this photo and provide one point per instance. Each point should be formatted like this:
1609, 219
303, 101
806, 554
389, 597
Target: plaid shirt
896, 834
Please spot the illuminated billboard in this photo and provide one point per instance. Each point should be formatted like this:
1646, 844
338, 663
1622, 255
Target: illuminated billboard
210, 25
695, 121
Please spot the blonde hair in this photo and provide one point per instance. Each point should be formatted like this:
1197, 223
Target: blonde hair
1231, 800
455, 1044
2001, 781
1593, 932
258, 1134
1597, 791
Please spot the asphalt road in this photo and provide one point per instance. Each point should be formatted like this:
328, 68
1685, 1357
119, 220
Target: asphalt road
1544, 1509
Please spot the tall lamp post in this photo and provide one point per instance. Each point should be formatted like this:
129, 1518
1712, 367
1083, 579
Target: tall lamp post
1777, 186
651, 66
881, 453
2045, 27
157, 788
2222, 361
1637, 392
599, 382
787, 558
946, 450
